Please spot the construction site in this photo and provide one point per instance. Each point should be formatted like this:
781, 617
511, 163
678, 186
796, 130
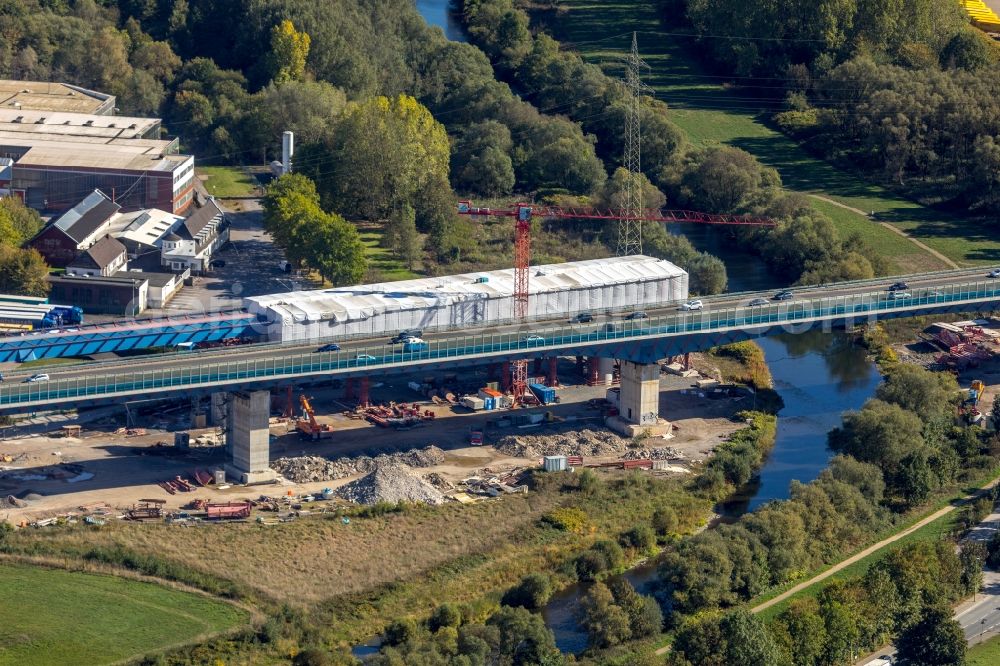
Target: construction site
427, 439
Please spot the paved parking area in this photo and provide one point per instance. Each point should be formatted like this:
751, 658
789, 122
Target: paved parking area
253, 267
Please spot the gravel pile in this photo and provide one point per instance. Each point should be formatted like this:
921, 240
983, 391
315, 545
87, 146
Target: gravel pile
580, 443
664, 453
390, 482
11, 502
316, 468
439, 482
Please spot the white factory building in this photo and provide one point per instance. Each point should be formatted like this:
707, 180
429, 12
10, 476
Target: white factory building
454, 301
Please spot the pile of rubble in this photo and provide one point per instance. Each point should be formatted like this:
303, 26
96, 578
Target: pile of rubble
580, 443
663, 453
316, 468
390, 482
11, 502
439, 482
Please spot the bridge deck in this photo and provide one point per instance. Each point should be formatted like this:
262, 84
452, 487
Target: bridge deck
722, 321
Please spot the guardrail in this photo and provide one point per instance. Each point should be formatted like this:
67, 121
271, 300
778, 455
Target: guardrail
192, 372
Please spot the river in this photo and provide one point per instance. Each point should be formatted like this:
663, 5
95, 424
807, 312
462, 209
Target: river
818, 375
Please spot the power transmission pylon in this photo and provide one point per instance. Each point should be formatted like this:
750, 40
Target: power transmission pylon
630, 224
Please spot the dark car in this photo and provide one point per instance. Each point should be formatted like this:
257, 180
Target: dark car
582, 318
783, 296
898, 286
757, 301
638, 314
403, 336
329, 347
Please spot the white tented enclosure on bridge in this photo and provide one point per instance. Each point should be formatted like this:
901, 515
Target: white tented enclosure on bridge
456, 301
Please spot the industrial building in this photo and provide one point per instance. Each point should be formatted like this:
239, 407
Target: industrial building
76, 230
59, 142
52, 96
470, 299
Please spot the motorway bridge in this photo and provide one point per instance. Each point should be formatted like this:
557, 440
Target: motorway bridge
668, 331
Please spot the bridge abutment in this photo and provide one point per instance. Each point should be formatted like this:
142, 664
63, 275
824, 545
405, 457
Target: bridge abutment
248, 437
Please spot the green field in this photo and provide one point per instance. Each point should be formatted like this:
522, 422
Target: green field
224, 181
54, 617
382, 260
709, 112
986, 653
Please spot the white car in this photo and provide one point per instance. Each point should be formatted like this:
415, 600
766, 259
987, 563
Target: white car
413, 340
995, 273
365, 357
900, 294
533, 339
693, 305
40, 377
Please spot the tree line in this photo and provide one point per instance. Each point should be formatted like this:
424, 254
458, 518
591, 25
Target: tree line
22, 271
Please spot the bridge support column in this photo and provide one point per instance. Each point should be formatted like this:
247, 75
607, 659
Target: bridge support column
537, 368
363, 391
248, 437
593, 372
217, 413
606, 371
349, 388
505, 377
639, 403
552, 378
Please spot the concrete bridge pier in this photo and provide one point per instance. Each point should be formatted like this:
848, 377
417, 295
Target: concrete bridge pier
248, 437
639, 401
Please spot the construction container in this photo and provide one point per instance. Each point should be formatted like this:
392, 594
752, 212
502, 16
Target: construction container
414, 386
220, 477
487, 393
490, 403
545, 394
555, 463
474, 403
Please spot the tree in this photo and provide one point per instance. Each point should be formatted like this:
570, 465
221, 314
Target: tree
445, 615
18, 223
973, 556
23, 272
607, 623
532, 592
880, 433
935, 640
804, 635
334, 248
401, 235
289, 50
995, 413
919, 390
400, 631
524, 640
386, 152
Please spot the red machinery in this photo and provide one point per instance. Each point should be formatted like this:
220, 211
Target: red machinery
522, 214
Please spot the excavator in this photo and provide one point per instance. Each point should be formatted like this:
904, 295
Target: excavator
309, 427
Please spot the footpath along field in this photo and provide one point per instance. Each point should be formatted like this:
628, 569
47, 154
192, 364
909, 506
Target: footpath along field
709, 112
54, 617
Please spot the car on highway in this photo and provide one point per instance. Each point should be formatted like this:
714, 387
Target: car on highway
783, 295
533, 339
757, 301
40, 377
898, 295
638, 314
582, 318
995, 273
405, 335
329, 347
366, 358
898, 286
934, 293
696, 304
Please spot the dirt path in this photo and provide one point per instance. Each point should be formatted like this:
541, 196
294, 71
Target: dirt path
869, 550
891, 228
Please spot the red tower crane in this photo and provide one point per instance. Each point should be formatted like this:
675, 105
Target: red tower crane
522, 214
